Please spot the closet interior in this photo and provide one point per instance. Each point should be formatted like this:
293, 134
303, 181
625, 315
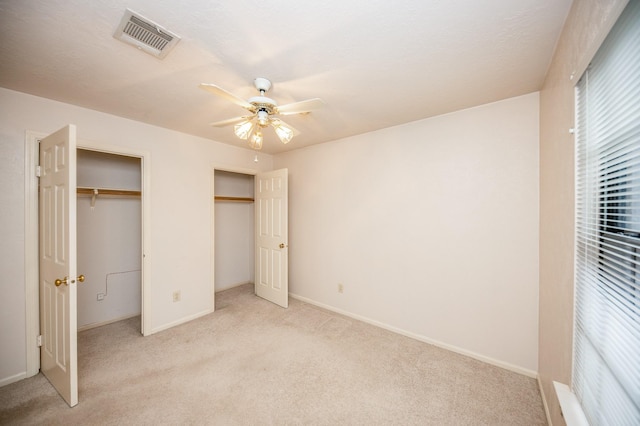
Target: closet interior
109, 237
233, 229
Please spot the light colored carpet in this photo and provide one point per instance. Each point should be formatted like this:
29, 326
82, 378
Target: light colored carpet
252, 362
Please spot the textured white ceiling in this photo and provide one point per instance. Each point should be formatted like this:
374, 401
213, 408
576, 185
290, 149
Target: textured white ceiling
375, 63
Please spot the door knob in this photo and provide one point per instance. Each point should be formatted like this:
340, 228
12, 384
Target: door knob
281, 245
58, 282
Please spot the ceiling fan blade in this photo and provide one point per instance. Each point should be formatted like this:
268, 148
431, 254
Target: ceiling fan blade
230, 121
300, 107
218, 91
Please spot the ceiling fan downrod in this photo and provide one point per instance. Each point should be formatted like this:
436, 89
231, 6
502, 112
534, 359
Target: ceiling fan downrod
262, 84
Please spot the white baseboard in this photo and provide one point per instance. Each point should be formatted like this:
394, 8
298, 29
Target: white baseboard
228, 287
111, 321
544, 402
12, 379
421, 338
180, 321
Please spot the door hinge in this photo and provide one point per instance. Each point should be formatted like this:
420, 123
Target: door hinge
38, 171
39, 340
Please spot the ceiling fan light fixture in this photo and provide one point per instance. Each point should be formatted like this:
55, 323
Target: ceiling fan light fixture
284, 133
263, 118
255, 141
243, 129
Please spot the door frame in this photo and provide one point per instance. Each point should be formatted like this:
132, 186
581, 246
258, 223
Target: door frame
32, 291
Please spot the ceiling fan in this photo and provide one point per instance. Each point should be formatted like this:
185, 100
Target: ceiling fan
264, 112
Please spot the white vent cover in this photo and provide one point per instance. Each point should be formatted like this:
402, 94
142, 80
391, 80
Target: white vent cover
145, 34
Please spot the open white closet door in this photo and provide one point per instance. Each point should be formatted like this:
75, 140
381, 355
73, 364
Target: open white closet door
58, 262
271, 224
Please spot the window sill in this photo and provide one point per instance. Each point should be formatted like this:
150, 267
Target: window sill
571, 408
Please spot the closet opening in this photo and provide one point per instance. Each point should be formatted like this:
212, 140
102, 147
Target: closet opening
109, 237
234, 239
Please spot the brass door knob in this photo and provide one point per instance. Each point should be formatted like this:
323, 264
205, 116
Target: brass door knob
58, 282
81, 278
281, 245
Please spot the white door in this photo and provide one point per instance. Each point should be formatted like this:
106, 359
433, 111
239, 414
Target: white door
58, 320
272, 252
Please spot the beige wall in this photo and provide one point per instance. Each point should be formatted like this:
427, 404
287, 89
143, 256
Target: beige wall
586, 27
431, 227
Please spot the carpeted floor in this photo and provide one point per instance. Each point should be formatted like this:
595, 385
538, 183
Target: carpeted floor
253, 363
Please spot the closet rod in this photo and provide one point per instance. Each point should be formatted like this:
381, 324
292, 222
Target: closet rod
104, 191
233, 199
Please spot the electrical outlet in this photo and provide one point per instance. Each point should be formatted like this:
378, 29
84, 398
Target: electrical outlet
340, 288
176, 296
100, 297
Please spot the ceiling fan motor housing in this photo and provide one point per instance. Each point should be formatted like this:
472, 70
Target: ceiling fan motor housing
262, 103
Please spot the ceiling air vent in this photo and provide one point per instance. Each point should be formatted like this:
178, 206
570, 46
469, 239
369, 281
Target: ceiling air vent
145, 34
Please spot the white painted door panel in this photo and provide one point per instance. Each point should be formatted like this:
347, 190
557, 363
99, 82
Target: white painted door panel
272, 252
58, 304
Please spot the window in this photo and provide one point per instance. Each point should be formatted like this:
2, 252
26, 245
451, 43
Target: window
606, 371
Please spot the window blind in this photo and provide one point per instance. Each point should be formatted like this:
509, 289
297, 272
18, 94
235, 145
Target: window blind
606, 371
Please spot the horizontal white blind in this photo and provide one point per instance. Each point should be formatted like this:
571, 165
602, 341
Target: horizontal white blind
606, 376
